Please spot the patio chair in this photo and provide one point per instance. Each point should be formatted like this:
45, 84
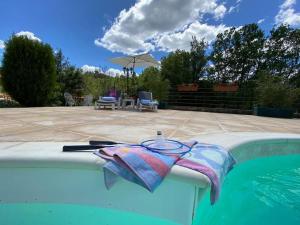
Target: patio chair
111, 99
69, 100
88, 100
145, 100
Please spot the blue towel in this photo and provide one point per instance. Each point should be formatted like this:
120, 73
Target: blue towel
108, 99
148, 102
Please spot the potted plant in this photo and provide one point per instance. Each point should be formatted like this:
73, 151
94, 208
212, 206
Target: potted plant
188, 87
275, 98
226, 87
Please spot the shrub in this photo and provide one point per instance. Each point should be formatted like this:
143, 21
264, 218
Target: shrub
98, 85
28, 72
95, 86
273, 92
151, 80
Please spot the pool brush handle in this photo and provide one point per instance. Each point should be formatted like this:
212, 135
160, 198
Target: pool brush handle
103, 143
80, 148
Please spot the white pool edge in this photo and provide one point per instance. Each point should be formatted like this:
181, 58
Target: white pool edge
49, 155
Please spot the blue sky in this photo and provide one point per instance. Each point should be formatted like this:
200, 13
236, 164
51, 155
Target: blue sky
89, 32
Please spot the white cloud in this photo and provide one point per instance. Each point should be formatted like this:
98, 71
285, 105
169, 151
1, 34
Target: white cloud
231, 9
91, 69
220, 12
288, 3
261, 21
235, 7
29, 35
287, 14
140, 28
181, 40
114, 72
2, 44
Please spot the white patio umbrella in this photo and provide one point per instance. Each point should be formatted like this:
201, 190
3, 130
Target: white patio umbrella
130, 62
142, 60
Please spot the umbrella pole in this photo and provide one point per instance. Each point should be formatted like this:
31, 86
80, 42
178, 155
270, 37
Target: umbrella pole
127, 82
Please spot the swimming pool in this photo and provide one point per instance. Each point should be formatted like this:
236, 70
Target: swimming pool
42, 185
256, 191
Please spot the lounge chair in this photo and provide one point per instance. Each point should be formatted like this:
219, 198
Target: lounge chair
88, 100
69, 100
112, 99
145, 100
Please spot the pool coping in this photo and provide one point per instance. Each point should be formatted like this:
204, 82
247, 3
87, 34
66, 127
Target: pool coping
243, 145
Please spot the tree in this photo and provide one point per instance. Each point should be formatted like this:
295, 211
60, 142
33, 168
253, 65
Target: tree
185, 67
61, 62
282, 52
69, 78
176, 67
72, 81
220, 56
28, 73
151, 80
237, 53
198, 58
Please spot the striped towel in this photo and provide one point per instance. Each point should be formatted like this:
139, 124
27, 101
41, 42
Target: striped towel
213, 161
137, 164
148, 169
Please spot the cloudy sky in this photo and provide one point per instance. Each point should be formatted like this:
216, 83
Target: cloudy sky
89, 32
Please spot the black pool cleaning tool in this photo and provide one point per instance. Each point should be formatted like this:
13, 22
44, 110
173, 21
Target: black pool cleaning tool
93, 145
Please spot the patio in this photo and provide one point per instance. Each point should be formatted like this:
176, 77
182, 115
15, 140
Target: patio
85, 123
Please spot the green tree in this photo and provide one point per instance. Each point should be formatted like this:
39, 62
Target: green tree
62, 63
28, 73
151, 80
237, 53
69, 78
198, 58
282, 55
72, 81
176, 67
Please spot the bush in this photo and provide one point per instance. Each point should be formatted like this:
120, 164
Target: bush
99, 85
273, 92
151, 80
28, 72
95, 86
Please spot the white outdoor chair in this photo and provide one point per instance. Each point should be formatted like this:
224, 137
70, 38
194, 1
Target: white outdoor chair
88, 100
69, 100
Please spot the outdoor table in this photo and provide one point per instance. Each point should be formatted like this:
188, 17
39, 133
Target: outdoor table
131, 102
79, 100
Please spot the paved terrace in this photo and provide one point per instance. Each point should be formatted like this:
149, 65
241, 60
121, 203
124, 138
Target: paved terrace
85, 123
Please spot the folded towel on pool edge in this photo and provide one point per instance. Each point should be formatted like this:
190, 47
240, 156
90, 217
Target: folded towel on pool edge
213, 161
148, 169
137, 164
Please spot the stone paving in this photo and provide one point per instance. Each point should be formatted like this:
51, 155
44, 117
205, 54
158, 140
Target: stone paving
85, 123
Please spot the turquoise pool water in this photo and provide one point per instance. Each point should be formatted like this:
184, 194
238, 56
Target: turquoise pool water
262, 191
51, 214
